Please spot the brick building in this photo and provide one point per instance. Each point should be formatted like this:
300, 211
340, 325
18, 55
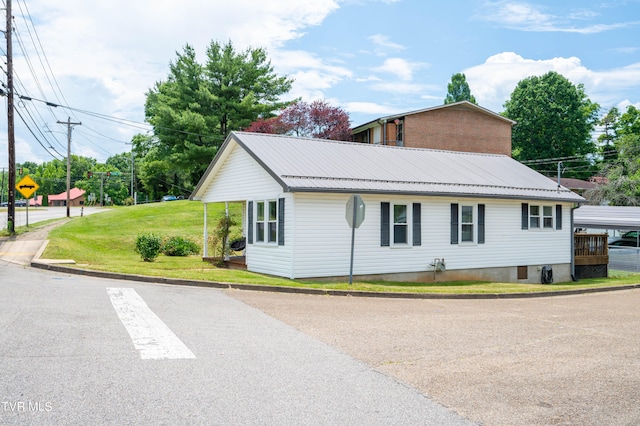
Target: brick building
461, 126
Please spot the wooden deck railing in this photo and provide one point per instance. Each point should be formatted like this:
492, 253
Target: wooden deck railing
591, 249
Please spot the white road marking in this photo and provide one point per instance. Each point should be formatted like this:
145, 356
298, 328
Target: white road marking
150, 335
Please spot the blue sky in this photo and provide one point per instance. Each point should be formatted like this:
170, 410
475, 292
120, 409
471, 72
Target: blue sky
370, 57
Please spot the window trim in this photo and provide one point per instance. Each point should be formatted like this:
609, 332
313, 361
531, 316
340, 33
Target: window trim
408, 225
473, 225
268, 222
545, 222
478, 223
413, 225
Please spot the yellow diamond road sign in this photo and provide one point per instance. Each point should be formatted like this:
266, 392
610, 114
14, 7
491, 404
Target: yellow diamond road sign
27, 186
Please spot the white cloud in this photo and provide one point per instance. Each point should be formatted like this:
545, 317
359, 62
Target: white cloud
522, 16
370, 108
383, 45
106, 55
401, 68
312, 75
493, 81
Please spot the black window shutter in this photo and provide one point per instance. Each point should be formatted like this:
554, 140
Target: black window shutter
250, 223
417, 224
454, 223
558, 216
280, 221
384, 224
525, 216
480, 223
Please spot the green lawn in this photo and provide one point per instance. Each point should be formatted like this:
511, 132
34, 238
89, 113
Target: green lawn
106, 242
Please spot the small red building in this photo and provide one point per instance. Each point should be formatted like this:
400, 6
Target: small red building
76, 198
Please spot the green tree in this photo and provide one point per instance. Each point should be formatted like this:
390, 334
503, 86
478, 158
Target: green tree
554, 119
623, 176
622, 168
607, 139
194, 110
629, 122
458, 90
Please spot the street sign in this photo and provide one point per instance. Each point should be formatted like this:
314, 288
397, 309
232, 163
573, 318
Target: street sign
27, 187
355, 211
355, 217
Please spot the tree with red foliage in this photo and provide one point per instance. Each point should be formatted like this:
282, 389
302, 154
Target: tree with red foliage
316, 120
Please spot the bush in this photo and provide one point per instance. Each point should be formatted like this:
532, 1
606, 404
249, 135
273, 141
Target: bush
178, 246
149, 246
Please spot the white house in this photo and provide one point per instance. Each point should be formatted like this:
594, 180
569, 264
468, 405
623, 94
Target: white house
430, 214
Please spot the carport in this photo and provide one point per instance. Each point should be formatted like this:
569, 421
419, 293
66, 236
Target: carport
607, 218
613, 218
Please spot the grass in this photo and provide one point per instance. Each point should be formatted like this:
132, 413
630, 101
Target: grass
106, 241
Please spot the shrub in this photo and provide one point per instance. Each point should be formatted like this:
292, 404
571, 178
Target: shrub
178, 246
220, 238
149, 246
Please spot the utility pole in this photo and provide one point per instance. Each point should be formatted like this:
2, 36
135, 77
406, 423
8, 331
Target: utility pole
69, 127
11, 140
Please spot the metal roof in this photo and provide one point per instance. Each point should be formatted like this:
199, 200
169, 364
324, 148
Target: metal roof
317, 165
607, 217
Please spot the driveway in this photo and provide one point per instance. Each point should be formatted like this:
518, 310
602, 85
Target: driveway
569, 360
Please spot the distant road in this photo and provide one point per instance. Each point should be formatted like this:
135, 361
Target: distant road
39, 214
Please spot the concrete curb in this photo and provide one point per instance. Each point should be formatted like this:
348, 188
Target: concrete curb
36, 262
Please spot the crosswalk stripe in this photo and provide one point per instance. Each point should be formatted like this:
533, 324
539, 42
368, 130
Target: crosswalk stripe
151, 337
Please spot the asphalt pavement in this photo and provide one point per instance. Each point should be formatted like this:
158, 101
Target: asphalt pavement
69, 356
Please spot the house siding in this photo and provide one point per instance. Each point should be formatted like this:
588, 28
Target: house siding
323, 238
240, 178
272, 258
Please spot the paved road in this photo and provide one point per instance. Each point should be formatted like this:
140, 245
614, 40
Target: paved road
564, 360
39, 214
73, 351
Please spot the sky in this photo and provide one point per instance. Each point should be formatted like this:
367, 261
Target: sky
373, 58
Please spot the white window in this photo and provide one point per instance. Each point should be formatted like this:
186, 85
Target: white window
260, 221
400, 224
466, 224
267, 221
534, 217
272, 222
547, 217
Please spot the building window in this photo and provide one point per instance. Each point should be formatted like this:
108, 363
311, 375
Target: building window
547, 217
272, 222
399, 133
269, 221
534, 217
466, 224
260, 221
400, 225
537, 217
266, 221
396, 220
